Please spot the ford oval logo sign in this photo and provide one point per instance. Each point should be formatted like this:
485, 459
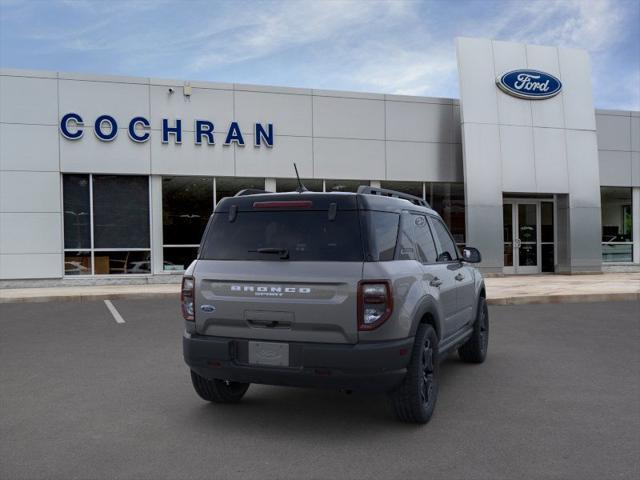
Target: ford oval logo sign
529, 84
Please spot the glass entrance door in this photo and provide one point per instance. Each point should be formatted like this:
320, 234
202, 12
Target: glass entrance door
528, 236
526, 240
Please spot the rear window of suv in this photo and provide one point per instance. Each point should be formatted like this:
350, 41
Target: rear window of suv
284, 235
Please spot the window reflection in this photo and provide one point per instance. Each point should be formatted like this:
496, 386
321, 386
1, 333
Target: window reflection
344, 185
187, 204
77, 215
120, 211
291, 184
448, 200
617, 224
229, 186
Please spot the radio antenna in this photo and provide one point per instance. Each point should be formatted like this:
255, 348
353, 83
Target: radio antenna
301, 188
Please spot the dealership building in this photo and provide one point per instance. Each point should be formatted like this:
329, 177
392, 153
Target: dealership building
112, 179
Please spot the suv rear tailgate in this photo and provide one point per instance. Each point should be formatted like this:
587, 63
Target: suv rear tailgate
278, 300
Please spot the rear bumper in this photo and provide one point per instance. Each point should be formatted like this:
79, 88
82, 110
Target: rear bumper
378, 366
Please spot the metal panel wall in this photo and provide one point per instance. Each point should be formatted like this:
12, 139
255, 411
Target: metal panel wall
329, 134
513, 145
619, 148
30, 210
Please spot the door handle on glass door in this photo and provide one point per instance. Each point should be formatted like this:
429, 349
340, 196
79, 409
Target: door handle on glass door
436, 282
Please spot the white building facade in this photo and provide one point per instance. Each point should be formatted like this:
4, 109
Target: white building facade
112, 179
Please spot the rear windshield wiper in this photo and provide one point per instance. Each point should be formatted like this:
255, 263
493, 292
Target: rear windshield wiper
283, 252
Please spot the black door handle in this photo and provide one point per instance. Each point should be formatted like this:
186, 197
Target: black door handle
436, 282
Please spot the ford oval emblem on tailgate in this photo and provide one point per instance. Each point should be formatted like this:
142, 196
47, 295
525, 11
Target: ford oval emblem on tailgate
208, 308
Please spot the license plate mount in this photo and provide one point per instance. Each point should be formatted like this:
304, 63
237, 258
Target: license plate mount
269, 353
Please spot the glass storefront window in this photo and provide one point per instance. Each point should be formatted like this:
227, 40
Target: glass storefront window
617, 224
122, 262
120, 211
177, 259
344, 185
106, 224
291, 184
448, 200
107, 217
507, 229
412, 188
77, 214
187, 204
77, 263
229, 186
547, 234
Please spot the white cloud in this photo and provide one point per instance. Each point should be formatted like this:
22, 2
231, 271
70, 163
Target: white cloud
400, 46
417, 59
396, 70
293, 25
590, 24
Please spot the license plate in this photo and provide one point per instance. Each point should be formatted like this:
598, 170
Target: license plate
269, 353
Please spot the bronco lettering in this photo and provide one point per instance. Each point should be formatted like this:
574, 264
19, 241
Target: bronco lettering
264, 289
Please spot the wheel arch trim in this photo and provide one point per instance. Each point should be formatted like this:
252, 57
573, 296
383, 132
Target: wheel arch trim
427, 307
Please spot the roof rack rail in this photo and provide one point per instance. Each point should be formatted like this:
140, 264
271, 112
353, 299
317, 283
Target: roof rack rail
250, 191
383, 192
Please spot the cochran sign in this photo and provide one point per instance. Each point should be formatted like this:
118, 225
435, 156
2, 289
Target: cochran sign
529, 84
105, 128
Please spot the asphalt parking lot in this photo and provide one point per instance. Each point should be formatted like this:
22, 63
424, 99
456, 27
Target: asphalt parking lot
83, 396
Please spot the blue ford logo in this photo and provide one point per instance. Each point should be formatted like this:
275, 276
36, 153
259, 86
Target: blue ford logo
529, 84
208, 308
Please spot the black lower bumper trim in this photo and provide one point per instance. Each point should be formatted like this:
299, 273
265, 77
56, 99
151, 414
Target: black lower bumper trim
378, 366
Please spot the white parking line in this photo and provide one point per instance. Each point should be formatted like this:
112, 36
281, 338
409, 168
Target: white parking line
116, 315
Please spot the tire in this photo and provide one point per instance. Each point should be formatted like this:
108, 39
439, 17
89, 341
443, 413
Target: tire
474, 350
218, 391
415, 399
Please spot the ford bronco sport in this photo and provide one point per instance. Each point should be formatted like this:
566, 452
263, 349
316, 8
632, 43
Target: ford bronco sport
353, 291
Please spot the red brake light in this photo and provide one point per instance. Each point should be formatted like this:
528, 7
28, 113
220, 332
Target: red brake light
187, 296
375, 303
284, 204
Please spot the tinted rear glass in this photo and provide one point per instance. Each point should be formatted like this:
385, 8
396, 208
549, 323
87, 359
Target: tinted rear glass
305, 235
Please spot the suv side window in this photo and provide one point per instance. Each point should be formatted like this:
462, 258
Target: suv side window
405, 249
448, 251
424, 240
382, 234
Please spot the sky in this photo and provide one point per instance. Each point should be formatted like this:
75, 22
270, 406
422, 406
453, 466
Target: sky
402, 47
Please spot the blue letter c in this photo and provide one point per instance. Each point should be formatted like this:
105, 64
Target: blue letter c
132, 129
64, 126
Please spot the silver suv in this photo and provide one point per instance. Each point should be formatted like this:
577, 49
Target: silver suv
354, 291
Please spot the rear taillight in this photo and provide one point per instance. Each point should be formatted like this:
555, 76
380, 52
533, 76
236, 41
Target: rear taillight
375, 303
187, 298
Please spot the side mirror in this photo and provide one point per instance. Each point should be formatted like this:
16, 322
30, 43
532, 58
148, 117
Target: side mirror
444, 257
471, 255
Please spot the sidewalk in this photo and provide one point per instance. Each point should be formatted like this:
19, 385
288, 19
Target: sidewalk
512, 290
523, 289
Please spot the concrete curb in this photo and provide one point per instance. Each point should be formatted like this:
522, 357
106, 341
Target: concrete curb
565, 298
90, 297
509, 300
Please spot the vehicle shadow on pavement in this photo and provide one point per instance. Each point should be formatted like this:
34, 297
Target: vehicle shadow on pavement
302, 410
